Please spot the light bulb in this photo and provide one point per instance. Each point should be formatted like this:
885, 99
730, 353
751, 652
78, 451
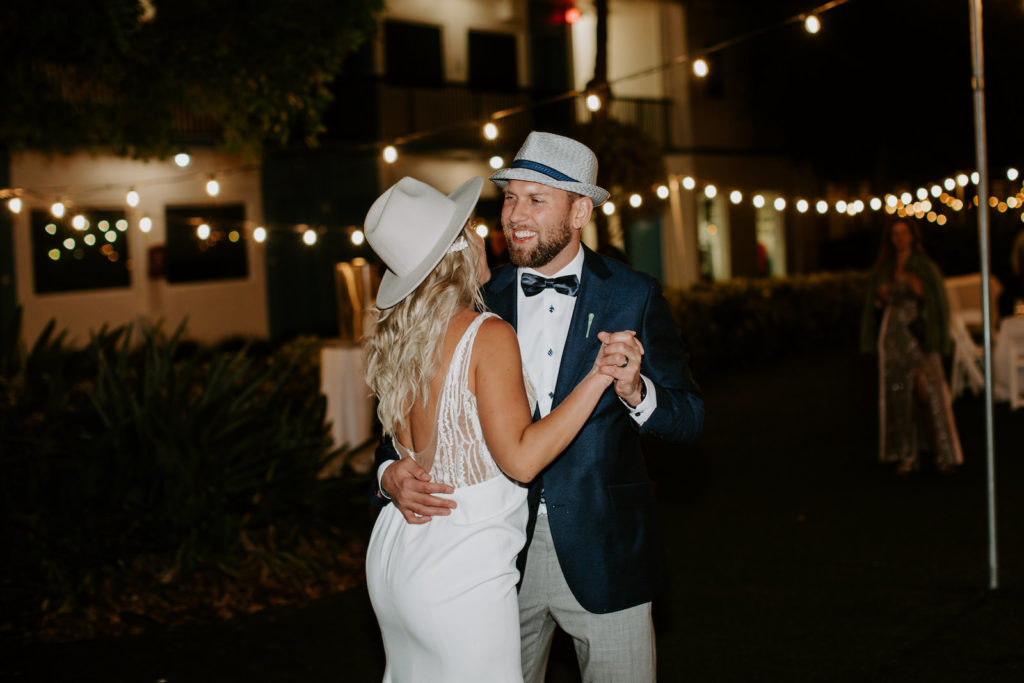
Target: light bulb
812, 24
182, 159
145, 224
758, 201
608, 208
390, 154
802, 205
779, 203
212, 187
490, 131
710, 191
358, 237
259, 234
203, 231
700, 67
309, 237
662, 191
735, 196
57, 209
593, 102
875, 203
132, 198
821, 206
496, 162
635, 200
689, 183
14, 204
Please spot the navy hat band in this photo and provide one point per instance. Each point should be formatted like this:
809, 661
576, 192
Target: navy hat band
541, 168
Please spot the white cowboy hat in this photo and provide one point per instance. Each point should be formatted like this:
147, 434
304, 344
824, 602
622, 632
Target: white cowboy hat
556, 161
411, 227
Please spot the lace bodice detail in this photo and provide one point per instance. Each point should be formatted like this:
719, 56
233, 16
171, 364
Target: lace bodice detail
458, 454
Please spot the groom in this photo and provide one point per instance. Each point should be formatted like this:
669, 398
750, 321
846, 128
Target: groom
592, 561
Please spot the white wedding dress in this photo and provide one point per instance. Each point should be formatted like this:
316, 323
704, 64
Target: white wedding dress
445, 592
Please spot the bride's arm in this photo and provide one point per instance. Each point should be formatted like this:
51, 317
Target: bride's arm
521, 447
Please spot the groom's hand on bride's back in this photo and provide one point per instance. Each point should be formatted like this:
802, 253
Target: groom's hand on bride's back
411, 491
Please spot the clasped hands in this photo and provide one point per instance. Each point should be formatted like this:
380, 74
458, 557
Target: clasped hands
409, 485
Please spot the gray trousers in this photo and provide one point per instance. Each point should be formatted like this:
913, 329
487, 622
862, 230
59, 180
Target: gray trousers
617, 647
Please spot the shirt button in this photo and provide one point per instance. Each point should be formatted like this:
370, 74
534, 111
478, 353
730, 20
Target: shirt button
551, 309
551, 394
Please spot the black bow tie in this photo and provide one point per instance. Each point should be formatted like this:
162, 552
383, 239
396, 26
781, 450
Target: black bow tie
534, 284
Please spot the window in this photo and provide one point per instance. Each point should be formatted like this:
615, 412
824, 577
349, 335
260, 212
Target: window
413, 54
86, 251
492, 61
206, 243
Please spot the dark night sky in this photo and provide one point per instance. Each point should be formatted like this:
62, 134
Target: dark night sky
883, 92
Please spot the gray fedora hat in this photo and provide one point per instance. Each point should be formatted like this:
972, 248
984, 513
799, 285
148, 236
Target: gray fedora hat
556, 161
411, 227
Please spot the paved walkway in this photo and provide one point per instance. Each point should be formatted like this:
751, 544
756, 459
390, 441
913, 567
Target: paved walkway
794, 558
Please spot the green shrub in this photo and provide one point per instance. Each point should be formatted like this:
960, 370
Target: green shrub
122, 457
743, 322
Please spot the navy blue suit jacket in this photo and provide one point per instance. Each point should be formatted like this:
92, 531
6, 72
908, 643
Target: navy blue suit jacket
597, 492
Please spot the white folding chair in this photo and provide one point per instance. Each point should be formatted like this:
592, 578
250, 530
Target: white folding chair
968, 359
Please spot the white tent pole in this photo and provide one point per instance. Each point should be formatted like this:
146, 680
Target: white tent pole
981, 150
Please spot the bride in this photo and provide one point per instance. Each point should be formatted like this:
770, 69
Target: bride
451, 393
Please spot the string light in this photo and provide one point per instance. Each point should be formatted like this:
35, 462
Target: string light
145, 224
212, 187
309, 237
202, 232
635, 200
662, 191
975, 177
735, 196
14, 204
496, 162
758, 201
259, 234
906, 198
710, 191
840, 206
608, 208
358, 237
802, 205
700, 67
182, 159
689, 183
132, 198
875, 203
812, 24
482, 230
490, 131
949, 184
57, 209
779, 204
1011, 174
821, 206
961, 180
79, 222
390, 154
593, 102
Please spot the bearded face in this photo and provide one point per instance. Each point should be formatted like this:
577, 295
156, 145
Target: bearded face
536, 220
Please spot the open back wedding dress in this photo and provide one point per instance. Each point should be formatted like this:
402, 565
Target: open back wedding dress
445, 592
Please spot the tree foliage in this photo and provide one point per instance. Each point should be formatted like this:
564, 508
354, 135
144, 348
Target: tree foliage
112, 74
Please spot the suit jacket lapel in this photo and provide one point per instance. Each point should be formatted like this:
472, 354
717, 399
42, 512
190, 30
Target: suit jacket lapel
500, 294
582, 344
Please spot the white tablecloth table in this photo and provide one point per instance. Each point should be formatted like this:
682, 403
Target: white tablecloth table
349, 401
1011, 332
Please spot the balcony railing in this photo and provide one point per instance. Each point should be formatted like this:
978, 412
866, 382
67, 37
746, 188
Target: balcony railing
451, 115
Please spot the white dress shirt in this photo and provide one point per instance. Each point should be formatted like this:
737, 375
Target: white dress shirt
542, 328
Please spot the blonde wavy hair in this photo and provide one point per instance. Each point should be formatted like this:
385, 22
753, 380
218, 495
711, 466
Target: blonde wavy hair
403, 353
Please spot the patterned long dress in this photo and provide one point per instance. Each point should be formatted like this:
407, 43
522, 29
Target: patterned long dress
913, 396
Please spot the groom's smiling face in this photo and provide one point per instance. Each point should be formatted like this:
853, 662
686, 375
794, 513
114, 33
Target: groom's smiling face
537, 221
